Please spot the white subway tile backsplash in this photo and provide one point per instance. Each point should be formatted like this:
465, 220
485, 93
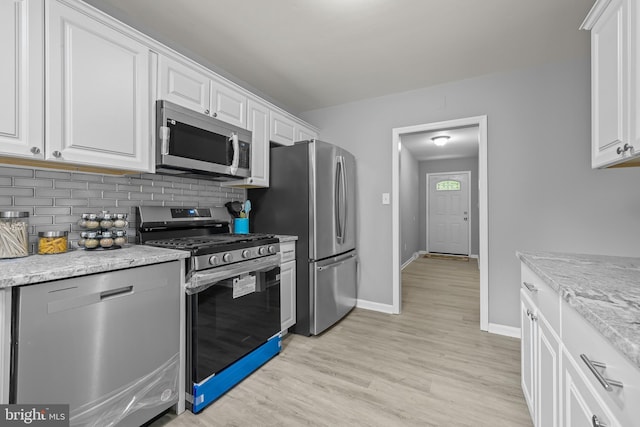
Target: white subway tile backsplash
71, 184
14, 191
32, 201
31, 182
9, 171
5, 180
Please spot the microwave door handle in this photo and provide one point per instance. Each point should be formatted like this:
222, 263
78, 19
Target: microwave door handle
235, 144
165, 134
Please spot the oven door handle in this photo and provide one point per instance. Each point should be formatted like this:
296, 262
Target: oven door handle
199, 281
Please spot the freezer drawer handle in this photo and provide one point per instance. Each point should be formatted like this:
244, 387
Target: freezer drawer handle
115, 292
605, 382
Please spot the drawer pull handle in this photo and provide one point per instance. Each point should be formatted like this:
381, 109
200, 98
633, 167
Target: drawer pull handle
605, 382
596, 422
115, 292
530, 286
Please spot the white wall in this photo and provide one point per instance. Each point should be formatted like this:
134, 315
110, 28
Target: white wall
409, 206
543, 194
450, 165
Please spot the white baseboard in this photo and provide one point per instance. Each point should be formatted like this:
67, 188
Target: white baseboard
508, 331
375, 306
410, 260
474, 256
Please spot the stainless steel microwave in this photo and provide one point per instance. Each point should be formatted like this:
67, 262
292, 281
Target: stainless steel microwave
193, 144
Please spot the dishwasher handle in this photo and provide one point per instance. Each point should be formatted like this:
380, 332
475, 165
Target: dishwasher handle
116, 292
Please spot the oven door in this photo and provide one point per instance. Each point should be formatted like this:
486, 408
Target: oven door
232, 316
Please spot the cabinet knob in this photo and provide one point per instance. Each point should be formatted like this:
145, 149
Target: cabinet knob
57, 154
215, 114
35, 150
628, 147
596, 422
206, 112
619, 150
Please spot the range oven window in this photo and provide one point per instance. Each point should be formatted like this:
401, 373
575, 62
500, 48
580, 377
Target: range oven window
225, 327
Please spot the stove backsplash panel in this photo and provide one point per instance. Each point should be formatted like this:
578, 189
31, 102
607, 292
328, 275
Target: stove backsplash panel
56, 199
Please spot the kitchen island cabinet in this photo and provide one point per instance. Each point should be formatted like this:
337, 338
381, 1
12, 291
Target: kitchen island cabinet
21, 78
581, 339
615, 82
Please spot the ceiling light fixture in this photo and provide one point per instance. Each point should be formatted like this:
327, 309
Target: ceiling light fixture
440, 140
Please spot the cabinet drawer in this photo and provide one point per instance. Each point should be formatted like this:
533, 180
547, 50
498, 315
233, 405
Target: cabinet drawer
542, 295
287, 251
580, 337
581, 404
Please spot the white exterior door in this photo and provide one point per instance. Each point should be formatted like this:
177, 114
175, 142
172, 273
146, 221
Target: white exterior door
448, 213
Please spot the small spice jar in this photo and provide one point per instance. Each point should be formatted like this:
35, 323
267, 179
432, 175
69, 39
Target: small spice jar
91, 240
120, 237
91, 222
14, 234
106, 221
120, 220
52, 242
106, 241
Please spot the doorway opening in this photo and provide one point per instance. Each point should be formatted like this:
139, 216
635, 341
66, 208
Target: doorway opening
479, 123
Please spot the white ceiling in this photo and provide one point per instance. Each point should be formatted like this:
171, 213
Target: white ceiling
463, 142
309, 54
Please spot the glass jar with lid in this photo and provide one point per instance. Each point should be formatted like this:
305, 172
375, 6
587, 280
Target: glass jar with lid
14, 234
52, 242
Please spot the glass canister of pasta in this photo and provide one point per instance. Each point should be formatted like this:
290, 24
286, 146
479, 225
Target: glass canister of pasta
52, 242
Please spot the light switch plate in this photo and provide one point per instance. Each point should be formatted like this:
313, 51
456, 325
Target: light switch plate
386, 198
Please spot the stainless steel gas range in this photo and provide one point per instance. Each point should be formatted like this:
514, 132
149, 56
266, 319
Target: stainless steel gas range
233, 296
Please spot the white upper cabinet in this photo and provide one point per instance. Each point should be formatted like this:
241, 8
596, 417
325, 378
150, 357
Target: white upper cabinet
201, 91
98, 103
614, 82
285, 130
228, 104
282, 129
21, 78
183, 85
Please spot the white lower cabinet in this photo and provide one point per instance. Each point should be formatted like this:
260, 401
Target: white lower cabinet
559, 386
288, 285
98, 100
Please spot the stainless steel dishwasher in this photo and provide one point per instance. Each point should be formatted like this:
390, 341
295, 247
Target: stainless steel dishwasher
107, 344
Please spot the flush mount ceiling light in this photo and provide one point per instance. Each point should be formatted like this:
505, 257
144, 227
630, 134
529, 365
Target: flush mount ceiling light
440, 140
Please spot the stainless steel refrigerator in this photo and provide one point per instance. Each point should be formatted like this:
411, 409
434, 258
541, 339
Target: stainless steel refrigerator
312, 196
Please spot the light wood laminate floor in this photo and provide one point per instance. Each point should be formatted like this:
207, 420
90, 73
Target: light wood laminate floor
429, 366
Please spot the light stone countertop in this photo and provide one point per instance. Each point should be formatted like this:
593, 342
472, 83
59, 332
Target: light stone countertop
284, 238
605, 290
42, 268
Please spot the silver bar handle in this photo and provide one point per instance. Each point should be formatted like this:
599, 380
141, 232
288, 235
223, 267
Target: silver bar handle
165, 135
236, 153
344, 198
115, 292
605, 382
337, 201
530, 287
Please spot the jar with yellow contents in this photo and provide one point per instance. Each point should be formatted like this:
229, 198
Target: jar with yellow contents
52, 242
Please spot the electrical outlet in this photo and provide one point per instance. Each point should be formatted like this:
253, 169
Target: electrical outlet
386, 198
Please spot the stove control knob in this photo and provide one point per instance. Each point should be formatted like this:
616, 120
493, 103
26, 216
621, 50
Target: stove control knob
262, 250
272, 249
214, 260
227, 257
246, 253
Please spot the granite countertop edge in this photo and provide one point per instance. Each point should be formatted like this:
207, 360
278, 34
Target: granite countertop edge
43, 268
572, 293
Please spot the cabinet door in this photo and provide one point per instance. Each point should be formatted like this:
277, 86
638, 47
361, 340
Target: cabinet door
282, 130
228, 104
21, 77
288, 294
527, 352
97, 104
608, 84
581, 405
305, 134
259, 127
184, 85
547, 374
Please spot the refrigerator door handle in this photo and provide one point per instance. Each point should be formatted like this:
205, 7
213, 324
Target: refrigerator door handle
337, 201
345, 207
